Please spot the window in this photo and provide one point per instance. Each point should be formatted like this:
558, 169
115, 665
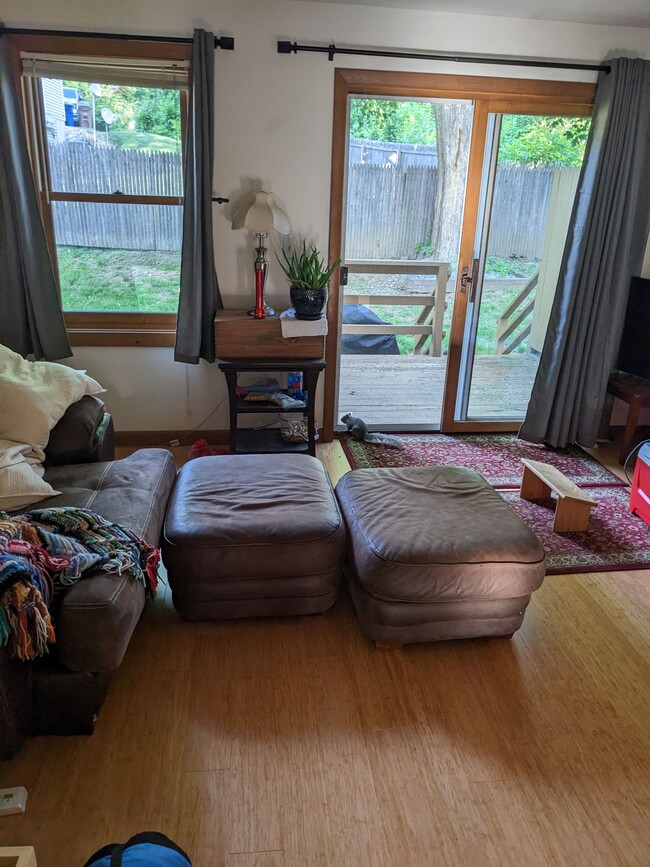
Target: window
106, 135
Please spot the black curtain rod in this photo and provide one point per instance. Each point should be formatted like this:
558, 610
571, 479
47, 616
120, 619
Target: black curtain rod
286, 47
225, 42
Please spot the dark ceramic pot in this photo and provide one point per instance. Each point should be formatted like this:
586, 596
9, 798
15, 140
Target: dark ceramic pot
308, 303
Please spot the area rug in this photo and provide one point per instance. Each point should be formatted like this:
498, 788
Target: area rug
497, 457
615, 539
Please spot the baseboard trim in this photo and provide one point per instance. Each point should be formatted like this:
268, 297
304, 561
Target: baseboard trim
162, 438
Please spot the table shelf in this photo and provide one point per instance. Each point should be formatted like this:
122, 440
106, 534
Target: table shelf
250, 441
252, 406
266, 442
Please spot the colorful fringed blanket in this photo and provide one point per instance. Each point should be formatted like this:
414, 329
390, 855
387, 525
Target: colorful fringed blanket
46, 550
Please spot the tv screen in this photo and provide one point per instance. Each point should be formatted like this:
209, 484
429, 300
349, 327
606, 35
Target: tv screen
634, 354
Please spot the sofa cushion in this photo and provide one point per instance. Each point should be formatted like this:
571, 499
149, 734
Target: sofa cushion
73, 439
98, 615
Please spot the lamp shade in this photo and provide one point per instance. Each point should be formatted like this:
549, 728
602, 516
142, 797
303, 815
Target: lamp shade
262, 216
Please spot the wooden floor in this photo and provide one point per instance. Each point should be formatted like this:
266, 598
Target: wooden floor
407, 389
286, 743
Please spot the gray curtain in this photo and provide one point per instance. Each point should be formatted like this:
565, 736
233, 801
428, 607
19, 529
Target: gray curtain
31, 320
604, 249
199, 297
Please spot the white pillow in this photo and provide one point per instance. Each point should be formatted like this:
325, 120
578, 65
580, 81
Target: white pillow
20, 483
34, 396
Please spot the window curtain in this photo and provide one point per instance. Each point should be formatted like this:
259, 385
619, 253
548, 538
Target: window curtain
199, 296
604, 249
31, 319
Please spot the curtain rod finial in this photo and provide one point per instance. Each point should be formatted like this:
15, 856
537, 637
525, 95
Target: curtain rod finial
286, 47
225, 42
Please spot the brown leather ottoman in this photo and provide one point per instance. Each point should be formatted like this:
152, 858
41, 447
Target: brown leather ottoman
435, 553
251, 536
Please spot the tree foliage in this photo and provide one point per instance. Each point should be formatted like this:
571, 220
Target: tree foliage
137, 109
389, 120
532, 139
524, 138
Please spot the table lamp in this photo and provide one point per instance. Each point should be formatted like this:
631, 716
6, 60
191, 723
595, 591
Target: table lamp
260, 217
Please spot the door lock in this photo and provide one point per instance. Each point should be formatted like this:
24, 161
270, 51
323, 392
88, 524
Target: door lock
468, 280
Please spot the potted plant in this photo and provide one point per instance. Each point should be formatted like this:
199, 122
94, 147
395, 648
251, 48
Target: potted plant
308, 276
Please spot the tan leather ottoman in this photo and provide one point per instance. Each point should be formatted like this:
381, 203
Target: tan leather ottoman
252, 536
434, 553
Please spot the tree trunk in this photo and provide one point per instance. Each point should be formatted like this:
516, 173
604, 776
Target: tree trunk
453, 131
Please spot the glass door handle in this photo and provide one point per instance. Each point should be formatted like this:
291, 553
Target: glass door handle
469, 280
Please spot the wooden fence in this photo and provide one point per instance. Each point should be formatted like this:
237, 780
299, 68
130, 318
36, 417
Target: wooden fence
80, 167
390, 211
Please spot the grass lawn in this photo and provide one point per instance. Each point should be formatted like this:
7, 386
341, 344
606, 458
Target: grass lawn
146, 141
133, 281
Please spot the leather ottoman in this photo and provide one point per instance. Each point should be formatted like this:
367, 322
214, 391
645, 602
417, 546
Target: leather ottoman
251, 536
435, 553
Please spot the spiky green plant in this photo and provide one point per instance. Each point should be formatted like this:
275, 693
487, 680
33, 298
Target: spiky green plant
307, 270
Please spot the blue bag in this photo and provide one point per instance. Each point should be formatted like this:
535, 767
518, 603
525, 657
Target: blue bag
143, 850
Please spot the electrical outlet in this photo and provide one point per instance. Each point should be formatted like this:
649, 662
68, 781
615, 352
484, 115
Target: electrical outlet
13, 801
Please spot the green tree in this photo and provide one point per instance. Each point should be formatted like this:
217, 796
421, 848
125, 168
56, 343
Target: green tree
554, 140
389, 120
136, 109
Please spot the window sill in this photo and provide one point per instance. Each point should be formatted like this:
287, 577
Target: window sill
121, 329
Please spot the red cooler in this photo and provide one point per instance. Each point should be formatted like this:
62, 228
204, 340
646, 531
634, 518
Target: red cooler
640, 497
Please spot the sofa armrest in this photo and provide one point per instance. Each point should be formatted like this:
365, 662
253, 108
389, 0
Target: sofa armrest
84, 435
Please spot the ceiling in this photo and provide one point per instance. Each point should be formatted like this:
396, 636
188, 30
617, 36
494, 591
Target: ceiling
617, 13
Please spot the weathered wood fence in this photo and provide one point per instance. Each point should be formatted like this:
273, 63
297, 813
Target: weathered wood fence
390, 210
79, 167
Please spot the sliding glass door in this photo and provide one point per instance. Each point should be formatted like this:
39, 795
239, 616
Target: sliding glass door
451, 246
529, 177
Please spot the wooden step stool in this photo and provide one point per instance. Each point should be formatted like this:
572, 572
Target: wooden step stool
17, 856
573, 505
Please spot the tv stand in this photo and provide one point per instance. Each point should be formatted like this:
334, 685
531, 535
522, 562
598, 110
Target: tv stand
636, 392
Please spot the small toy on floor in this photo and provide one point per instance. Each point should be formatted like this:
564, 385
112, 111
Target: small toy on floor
358, 430
201, 449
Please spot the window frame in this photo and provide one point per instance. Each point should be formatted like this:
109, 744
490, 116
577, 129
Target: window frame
89, 328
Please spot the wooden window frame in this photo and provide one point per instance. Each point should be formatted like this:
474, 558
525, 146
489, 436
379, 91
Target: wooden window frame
94, 328
522, 96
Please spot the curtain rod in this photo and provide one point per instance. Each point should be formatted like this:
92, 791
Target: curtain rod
286, 47
225, 42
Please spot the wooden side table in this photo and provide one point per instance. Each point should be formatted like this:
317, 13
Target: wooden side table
249, 441
636, 392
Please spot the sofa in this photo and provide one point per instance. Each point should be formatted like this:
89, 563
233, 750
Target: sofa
62, 693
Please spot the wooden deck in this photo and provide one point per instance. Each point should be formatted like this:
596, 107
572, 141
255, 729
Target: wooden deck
407, 390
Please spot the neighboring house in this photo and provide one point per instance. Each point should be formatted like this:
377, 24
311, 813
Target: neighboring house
54, 108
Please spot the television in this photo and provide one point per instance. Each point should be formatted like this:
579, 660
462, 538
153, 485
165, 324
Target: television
634, 354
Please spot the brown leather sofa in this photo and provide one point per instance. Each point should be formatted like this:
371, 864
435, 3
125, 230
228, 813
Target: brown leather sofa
63, 692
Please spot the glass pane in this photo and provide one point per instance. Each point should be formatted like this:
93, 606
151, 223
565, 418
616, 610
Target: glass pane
407, 170
108, 138
118, 257
537, 170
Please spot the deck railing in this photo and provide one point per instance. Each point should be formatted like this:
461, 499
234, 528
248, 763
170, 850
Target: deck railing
429, 322
510, 334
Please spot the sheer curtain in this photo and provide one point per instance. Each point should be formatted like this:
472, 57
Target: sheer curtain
604, 249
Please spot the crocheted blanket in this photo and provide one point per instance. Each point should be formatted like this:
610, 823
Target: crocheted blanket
46, 550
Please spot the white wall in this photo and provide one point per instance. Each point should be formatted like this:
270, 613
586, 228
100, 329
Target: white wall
274, 122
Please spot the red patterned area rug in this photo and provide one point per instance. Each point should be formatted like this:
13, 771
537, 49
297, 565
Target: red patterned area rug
615, 539
497, 457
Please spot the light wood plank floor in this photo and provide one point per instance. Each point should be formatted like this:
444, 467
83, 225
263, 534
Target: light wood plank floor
285, 743
407, 389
